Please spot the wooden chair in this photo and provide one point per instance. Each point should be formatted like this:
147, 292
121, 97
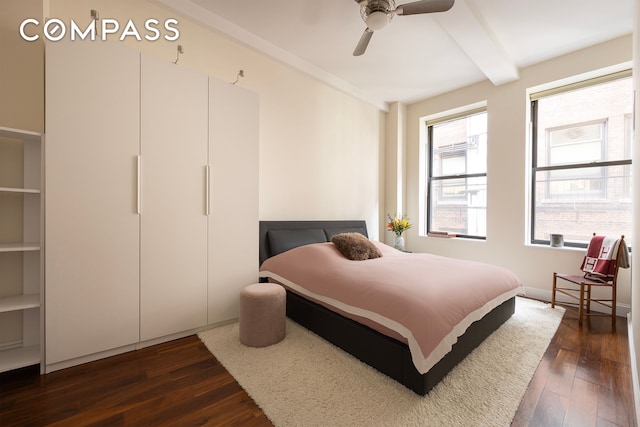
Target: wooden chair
578, 287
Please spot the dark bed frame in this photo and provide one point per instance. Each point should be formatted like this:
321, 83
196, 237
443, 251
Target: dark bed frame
386, 354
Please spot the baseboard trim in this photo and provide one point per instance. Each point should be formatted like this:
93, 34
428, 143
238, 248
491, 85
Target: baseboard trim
178, 335
51, 367
56, 366
622, 310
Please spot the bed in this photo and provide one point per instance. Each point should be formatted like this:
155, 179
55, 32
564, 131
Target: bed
371, 334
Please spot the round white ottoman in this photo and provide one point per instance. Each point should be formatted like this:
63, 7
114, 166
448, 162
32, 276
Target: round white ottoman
262, 314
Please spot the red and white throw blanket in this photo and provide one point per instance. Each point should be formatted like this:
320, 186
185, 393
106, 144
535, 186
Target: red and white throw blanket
600, 261
427, 299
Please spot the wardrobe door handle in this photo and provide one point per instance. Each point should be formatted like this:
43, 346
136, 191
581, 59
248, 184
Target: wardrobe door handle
138, 207
206, 190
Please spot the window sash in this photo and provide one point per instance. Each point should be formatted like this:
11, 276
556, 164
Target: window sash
462, 205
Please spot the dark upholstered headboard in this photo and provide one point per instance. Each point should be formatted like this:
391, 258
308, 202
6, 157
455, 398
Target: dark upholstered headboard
279, 236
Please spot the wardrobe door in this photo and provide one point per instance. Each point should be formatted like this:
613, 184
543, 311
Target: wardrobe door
91, 223
173, 276
233, 219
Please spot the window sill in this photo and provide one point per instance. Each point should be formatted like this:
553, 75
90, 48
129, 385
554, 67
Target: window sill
558, 248
453, 237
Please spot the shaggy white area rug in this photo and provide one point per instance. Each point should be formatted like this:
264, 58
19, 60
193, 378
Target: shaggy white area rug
305, 381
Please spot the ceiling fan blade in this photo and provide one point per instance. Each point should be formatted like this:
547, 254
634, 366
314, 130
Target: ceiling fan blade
424, 6
363, 43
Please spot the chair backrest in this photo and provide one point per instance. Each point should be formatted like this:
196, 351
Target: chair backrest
602, 260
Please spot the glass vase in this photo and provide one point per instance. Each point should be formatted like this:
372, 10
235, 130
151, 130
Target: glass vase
399, 242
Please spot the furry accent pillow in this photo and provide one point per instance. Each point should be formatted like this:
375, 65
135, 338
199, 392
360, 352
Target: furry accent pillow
355, 246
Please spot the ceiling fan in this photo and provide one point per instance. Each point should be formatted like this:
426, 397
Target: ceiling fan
378, 13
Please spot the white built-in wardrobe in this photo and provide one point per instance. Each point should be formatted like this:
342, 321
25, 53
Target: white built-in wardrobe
151, 207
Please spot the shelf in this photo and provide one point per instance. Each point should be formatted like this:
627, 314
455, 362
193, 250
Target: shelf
19, 358
20, 302
19, 247
19, 134
22, 188
19, 190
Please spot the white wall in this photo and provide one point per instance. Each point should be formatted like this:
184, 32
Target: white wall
320, 149
22, 69
508, 170
395, 171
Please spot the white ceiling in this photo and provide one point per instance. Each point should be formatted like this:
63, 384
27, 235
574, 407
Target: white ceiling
416, 56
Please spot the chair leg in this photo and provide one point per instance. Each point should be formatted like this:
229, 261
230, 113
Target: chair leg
553, 293
613, 307
581, 307
588, 302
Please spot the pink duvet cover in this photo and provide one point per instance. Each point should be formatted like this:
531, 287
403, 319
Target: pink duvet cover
427, 299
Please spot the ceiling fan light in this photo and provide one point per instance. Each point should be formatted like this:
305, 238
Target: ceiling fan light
377, 20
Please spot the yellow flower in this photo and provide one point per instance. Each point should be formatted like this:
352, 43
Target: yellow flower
398, 224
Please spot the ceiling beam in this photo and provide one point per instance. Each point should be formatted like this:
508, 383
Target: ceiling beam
474, 36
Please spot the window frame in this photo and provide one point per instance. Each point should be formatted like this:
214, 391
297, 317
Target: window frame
430, 158
603, 163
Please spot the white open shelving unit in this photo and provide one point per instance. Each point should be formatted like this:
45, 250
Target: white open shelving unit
27, 350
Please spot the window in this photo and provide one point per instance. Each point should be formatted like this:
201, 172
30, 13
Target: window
581, 162
457, 175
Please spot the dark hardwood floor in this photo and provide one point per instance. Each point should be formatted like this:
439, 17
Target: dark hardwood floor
176, 384
583, 380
